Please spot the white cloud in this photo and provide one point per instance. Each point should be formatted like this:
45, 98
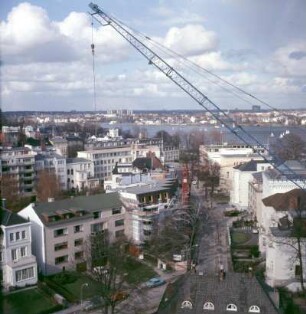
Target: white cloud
289, 60
29, 36
190, 40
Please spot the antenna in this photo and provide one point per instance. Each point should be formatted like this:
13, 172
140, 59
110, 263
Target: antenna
93, 73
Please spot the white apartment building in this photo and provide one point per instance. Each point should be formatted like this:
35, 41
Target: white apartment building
52, 161
227, 156
18, 164
62, 229
105, 159
80, 174
242, 174
282, 266
144, 205
18, 265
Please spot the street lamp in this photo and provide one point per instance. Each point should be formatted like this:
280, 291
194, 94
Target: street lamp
83, 285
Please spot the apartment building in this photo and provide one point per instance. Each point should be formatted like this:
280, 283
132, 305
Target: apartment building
17, 164
18, 265
145, 205
228, 156
105, 159
281, 247
62, 229
80, 174
242, 174
52, 161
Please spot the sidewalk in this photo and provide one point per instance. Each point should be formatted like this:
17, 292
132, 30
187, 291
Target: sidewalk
75, 309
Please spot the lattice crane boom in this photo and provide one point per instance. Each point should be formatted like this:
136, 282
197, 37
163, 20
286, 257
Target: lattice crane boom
154, 59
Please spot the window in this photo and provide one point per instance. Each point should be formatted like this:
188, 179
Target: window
14, 254
119, 223
254, 309
78, 255
96, 227
186, 305
60, 232
116, 211
78, 242
24, 274
208, 306
231, 307
23, 234
119, 233
23, 251
1, 256
60, 246
61, 259
11, 237
146, 232
17, 236
78, 228
96, 215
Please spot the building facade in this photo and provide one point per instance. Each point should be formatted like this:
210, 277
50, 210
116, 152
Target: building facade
17, 165
105, 159
62, 229
18, 265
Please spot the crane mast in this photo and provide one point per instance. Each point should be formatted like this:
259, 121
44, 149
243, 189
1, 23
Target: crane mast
154, 59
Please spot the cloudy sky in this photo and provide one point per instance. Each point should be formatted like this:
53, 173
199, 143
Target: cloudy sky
260, 46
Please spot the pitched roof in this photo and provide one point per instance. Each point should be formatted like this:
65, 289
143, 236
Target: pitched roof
236, 288
85, 204
10, 219
286, 201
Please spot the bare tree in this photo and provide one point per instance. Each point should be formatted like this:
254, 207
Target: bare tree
106, 261
289, 147
9, 189
47, 185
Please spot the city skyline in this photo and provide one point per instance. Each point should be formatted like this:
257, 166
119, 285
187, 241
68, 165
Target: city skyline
47, 61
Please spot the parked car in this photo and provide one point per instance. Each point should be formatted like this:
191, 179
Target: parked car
93, 303
155, 282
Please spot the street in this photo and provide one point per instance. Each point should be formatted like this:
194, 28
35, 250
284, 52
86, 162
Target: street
213, 244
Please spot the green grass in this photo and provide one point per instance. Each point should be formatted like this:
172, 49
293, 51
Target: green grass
31, 301
240, 237
138, 272
69, 285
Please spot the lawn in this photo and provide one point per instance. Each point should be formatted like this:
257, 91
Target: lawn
138, 272
30, 301
240, 237
69, 285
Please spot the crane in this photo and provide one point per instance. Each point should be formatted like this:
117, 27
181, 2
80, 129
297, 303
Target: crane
189, 88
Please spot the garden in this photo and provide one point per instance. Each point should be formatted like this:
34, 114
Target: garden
30, 301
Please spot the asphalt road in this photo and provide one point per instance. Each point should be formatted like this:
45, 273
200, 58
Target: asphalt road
213, 245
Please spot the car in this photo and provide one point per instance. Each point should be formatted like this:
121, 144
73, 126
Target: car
155, 282
255, 230
93, 303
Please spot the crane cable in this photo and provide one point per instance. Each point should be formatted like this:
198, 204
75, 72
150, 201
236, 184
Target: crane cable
192, 63
93, 72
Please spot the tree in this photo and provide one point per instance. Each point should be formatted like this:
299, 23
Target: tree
48, 185
168, 139
289, 147
107, 261
9, 189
